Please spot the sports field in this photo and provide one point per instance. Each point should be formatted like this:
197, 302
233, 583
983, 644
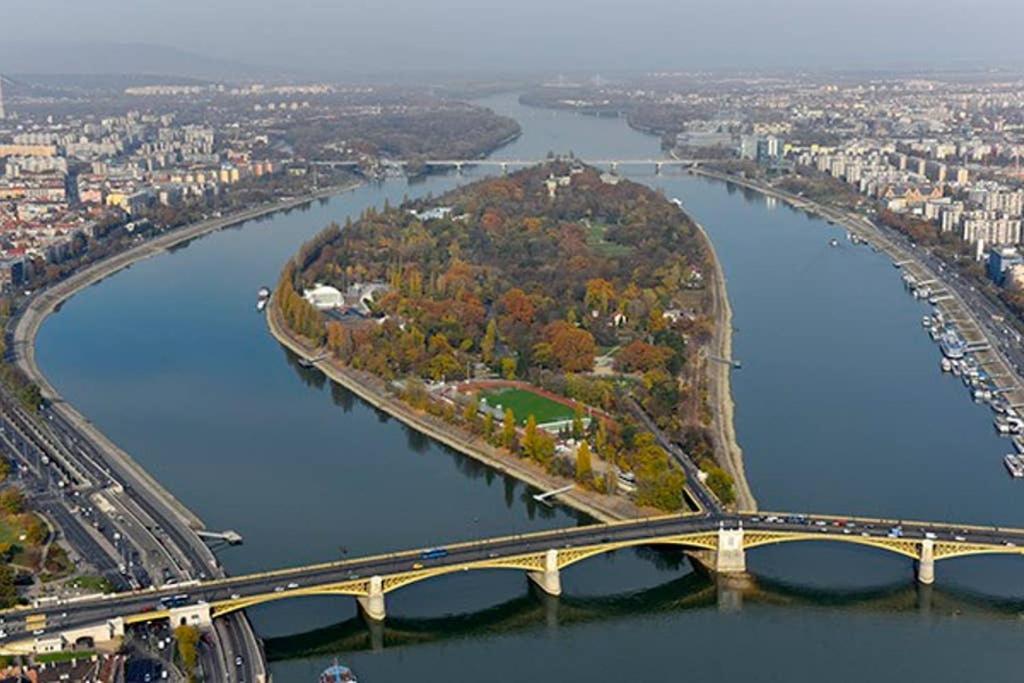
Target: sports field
525, 403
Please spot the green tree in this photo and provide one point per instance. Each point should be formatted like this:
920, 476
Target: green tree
488, 425
583, 464
8, 589
12, 501
577, 423
508, 368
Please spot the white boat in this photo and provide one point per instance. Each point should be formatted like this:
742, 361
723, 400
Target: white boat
946, 364
926, 321
1014, 465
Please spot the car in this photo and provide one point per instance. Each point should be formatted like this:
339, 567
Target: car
959, 538
1010, 544
235, 596
292, 585
492, 555
930, 535
353, 577
417, 565
238, 660
278, 589
39, 632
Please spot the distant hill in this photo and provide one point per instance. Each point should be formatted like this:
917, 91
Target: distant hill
123, 58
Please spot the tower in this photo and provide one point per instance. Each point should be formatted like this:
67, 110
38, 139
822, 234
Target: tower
1, 97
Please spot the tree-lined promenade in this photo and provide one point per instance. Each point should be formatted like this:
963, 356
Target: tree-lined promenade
583, 285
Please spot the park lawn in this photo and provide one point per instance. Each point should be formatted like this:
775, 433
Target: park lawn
525, 403
596, 241
10, 529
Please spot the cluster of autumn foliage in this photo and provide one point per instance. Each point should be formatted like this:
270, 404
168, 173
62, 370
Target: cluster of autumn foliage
525, 283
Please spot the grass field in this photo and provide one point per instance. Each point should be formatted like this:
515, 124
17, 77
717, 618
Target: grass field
525, 403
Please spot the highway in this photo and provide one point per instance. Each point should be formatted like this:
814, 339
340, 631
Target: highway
278, 584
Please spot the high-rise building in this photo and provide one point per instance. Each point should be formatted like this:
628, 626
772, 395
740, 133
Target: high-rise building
1, 97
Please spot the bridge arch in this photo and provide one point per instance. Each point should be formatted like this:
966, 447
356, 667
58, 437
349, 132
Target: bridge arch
531, 563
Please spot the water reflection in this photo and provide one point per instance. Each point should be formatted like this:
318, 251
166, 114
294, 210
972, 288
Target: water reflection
692, 592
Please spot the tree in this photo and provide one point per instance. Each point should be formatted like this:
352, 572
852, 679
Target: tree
599, 295
187, 638
572, 347
508, 368
8, 589
488, 425
490, 340
12, 501
530, 437
577, 423
583, 464
508, 429
471, 410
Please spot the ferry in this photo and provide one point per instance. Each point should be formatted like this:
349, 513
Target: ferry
1014, 465
338, 673
952, 344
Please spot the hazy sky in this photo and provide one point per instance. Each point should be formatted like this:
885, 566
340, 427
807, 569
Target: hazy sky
553, 35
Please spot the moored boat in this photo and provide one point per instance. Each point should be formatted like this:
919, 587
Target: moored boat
337, 673
1014, 465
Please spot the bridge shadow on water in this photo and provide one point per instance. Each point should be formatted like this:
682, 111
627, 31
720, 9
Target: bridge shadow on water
695, 591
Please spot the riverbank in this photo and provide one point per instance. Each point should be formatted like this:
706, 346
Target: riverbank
49, 299
373, 391
720, 385
953, 307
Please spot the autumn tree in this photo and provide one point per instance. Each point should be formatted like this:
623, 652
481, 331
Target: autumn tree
583, 464
508, 429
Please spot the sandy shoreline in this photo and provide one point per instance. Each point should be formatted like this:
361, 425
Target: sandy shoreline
720, 389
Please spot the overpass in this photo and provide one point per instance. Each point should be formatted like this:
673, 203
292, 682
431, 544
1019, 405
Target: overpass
718, 541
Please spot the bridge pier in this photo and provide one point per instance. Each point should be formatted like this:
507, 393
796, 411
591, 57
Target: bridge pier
372, 603
657, 168
926, 562
548, 579
504, 168
730, 558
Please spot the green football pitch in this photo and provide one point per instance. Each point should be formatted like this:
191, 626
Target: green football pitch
525, 403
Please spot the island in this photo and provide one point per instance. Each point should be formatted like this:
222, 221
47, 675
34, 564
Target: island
531, 320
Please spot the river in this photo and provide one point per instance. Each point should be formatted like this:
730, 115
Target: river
840, 407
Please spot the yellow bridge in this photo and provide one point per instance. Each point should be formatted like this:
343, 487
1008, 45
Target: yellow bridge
718, 542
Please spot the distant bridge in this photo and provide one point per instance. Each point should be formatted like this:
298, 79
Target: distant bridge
506, 164
717, 541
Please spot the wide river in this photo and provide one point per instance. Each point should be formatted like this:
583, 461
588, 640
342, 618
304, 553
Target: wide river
841, 408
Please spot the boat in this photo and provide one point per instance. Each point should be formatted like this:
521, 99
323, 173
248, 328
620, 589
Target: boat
947, 364
952, 344
337, 673
833, 242
264, 293
261, 304
926, 321
1014, 465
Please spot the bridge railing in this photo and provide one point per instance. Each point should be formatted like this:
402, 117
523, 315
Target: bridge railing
889, 521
